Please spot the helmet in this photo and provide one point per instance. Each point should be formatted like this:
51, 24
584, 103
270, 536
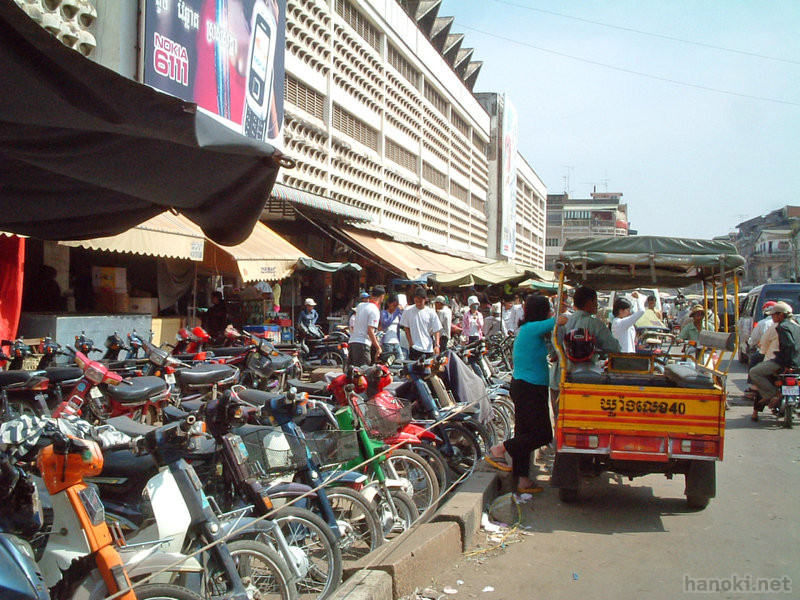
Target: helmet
579, 345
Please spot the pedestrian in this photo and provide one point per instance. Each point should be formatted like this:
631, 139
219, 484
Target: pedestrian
691, 331
422, 327
623, 325
445, 318
472, 321
788, 355
216, 317
493, 324
364, 345
529, 392
389, 325
511, 315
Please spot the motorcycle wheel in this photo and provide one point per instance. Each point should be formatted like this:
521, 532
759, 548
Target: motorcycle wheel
262, 570
437, 462
466, 449
406, 511
413, 467
358, 522
333, 358
164, 591
306, 531
19, 408
787, 414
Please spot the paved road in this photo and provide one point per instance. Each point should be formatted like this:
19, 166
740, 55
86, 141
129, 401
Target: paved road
636, 540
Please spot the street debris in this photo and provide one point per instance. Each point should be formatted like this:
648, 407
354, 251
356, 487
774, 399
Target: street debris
488, 588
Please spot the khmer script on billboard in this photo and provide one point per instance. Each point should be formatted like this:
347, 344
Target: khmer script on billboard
226, 56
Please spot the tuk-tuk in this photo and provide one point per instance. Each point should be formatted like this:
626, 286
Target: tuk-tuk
636, 414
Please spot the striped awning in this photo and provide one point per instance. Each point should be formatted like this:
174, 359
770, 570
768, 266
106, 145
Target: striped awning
303, 198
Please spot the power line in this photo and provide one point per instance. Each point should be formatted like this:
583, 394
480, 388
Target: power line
630, 71
651, 34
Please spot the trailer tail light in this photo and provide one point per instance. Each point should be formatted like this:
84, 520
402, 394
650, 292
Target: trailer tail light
41, 385
581, 440
790, 381
696, 447
638, 443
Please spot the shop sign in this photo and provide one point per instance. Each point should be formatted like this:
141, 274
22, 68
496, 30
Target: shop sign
196, 250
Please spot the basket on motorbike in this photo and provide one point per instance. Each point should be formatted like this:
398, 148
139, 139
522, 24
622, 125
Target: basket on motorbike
385, 419
273, 452
335, 447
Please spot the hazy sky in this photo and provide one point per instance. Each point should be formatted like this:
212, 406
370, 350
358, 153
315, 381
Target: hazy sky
689, 161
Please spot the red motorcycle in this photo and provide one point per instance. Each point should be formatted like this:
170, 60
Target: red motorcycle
141, 399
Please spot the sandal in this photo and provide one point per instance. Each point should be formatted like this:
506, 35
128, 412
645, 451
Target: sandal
530, 490
497, 464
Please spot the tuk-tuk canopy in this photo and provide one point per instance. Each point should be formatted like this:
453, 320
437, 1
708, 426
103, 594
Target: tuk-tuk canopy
496, 273
627, 262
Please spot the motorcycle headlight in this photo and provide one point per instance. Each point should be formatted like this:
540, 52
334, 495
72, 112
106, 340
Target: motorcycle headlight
92, 505
94, 375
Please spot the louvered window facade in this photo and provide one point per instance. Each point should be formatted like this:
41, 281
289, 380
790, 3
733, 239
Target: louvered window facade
439, 103
403, 66
359, 23
304, 97
355, 128
434, 176
396, 153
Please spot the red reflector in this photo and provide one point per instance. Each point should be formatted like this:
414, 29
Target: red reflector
580, 440
790, 381
42, 385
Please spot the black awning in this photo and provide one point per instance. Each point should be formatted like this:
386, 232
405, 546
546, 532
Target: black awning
86, 152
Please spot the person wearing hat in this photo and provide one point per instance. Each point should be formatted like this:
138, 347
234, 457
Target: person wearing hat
445, 318
422, 327
493, 324
788, 355
364, 344
759, 334
691, 331
472, 322
308, 315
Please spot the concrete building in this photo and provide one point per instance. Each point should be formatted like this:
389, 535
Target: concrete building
769, 245
602, 215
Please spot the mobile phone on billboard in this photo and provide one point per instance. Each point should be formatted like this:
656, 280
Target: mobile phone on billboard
260, 62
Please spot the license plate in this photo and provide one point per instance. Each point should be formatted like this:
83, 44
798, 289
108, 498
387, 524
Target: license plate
95, 392
790, 390
169, 378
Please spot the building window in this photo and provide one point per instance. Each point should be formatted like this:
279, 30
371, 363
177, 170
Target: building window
438, 101
459, 191
303, 97
434, 176
480, 145
477, 203
552, 242
577, 215
403, 66
355, 128
459, 123
359, 23
396, 153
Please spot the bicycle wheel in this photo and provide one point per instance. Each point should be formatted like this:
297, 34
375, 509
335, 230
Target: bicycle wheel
164, 591
466, 449
416, 469
481, 432
263, 572
357, 522
311, 535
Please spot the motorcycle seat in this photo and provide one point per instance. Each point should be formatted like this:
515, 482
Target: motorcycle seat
129, 427
204, 374
258, 397
688, 377
139, 389
59, 374
18, 378
281, 362
230, 350
316, 388
124, 463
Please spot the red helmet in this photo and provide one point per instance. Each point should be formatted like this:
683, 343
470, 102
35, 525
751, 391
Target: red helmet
579, 345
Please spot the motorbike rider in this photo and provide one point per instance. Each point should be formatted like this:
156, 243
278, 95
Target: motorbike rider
690, 332
788, 355
308, 315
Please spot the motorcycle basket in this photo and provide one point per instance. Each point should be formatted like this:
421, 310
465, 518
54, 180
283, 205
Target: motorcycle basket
383, 420
271, 451
330, 448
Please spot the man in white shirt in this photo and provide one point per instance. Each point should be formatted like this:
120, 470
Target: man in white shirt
363, 338
511, 316
422, 327
445, 318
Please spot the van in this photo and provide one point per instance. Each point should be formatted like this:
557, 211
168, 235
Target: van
752, 310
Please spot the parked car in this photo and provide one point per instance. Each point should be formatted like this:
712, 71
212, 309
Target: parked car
752, 311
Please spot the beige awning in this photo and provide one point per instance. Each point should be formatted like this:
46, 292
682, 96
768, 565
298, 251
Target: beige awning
167, 235
409, 260
264, 256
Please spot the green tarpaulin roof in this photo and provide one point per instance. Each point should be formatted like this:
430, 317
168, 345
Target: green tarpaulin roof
492, 274
607, 263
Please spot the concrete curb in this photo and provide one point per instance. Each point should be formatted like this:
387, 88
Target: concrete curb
409, 562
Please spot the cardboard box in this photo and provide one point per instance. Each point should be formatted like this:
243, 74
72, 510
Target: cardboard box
144, 306
110, 278
121, 302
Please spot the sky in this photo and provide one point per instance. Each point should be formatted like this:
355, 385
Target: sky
690, 109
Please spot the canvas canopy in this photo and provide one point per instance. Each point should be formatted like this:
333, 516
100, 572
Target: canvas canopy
627, 262
332, 267
88, 153
495, 273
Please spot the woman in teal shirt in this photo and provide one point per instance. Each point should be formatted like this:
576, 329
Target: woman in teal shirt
529, 391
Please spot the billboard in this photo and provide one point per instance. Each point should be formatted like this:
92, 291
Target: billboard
227, 56
508, 180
